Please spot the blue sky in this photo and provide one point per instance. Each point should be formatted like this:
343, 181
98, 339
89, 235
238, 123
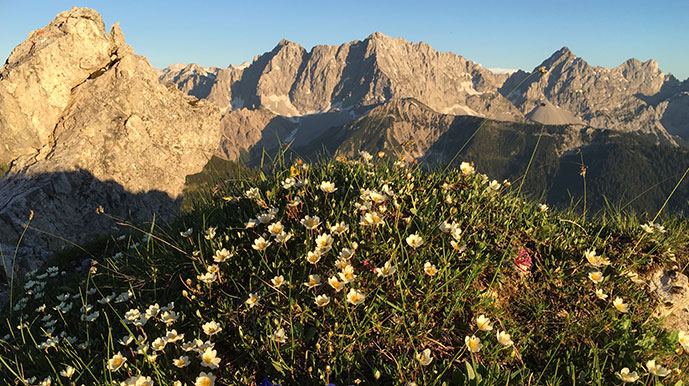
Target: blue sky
494, 33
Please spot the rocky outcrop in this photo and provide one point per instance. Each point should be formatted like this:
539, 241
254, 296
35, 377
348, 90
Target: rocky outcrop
625, 98
109, 134
37, 79
672, 291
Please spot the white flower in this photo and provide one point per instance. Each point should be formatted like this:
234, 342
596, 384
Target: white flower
542, 208
596, 276
90, 317
132, 315
106, 300
387, 270
260, 244
171, 336
314, 281
187, 233
355, 297
211, 328
276, 228
328, 187
347, 275
314, 257
310, 222
295, 202
265, 218
371, 218
210, 233
626, 376
683, 339
634, 277
138, 380
424, 357
126, 340
346, 253
205, 379
322, 300
656, 369
595, 260
339, 228
283, 237
457, 246
288, 183
466, 168
47, 381
279, 336
648, 228
68, 372
124, 296
620, 305
277, 281
116, 362
252, 300
414, 240
430, 269
182, 361
336, 284
600, 294
324, 242
504, 338
494, 185
209, 359
207, 277
159, 344
473, 343
152, 311
483, 323
366, 156
221, 255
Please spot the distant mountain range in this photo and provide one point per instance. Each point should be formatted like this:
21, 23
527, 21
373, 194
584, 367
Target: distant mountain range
332, 85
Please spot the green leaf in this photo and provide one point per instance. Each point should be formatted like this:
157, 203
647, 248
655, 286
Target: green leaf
280, 369
470, 371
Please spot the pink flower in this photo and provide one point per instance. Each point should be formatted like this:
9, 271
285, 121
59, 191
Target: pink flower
523, 261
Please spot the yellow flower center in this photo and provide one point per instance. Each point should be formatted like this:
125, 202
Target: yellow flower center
205, 381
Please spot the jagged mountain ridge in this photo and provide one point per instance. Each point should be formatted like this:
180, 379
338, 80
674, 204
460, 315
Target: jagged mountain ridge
632, 97
291, 81
303, 93
355, 77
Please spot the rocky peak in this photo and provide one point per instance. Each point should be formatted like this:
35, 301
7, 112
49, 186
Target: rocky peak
86, 123
560, 58
76, 47
621, 98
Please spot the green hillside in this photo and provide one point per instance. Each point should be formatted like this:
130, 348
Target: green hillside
355, 272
